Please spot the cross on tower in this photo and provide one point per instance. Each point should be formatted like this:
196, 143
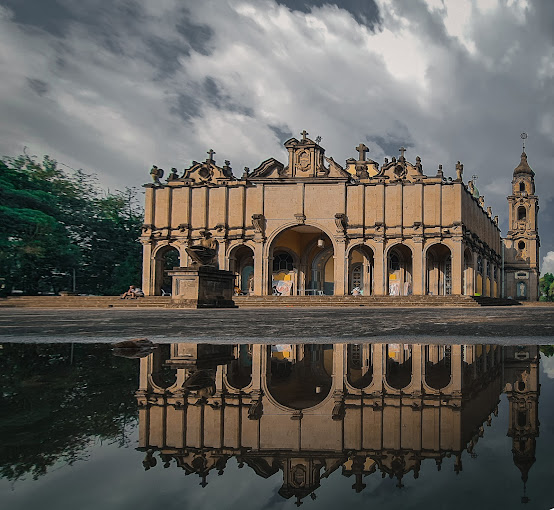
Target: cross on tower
362, 149
211, 153
402, 150
304, 133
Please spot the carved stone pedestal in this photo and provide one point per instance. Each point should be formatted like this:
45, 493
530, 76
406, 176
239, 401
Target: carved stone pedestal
202, 287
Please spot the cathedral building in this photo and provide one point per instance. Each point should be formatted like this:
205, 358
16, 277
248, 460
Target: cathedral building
311, 226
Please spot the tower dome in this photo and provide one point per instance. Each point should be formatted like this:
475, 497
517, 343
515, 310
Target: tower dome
523, 167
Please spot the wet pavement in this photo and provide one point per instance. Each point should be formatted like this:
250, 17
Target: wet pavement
505, 324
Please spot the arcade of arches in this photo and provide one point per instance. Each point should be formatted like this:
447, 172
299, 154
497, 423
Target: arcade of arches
314, 227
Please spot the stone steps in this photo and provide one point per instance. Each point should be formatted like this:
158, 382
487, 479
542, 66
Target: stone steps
257, 301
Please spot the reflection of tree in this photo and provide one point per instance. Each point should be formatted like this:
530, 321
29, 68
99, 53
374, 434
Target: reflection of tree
57, 399
547, 350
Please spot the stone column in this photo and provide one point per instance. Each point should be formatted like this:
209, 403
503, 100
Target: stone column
340, 266
457, 269
258, 269
418, 268
379, 269
147, 280
456, 363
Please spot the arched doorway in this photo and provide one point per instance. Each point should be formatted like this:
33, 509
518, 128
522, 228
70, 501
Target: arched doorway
438, 270
399, 271
359, 365
438, 365
360, 270
300, 375
301, 262
241, 262
399, 365
166, 259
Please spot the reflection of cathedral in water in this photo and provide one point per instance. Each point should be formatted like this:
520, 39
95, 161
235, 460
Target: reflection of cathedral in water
309, 410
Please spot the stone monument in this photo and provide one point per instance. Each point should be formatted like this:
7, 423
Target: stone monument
202, 284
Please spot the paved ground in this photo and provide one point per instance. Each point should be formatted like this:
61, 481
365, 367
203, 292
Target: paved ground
504, 324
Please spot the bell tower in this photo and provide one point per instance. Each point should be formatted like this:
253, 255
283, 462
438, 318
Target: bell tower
521, 254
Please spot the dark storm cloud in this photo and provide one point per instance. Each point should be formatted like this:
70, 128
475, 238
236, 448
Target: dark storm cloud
187, 107
38, 86
281, 133
391, 142
365, 12
216, 96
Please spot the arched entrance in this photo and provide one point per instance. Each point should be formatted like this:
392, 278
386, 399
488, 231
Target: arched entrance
438, 365
300, 375
360, 270
438, 270
241, 262
166, 258
399, 365
399, 271
301, 262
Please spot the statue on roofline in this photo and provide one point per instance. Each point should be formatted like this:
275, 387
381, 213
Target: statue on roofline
156, 174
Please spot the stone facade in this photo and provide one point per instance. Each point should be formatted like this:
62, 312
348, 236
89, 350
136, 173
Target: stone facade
312, 226
309, 410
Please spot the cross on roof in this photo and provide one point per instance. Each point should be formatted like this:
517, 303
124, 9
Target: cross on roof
211, 152
402, 150
362, 149
304, 133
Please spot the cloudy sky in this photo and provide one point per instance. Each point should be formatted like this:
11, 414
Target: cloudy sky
114, 87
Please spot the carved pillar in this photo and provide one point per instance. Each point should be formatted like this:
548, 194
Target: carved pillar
457, 269
340, 267
258, 269
147, 280
417, 359
418, 286
456, 363
259, 365
379, 269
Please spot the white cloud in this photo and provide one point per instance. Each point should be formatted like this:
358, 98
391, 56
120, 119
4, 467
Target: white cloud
547, 265
548, 366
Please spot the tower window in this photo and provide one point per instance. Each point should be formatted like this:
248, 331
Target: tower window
521, 186
521, 213
521, 245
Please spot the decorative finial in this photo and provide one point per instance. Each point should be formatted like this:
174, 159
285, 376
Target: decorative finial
402, 150
523, 137
211, 153
318, 139
304, 134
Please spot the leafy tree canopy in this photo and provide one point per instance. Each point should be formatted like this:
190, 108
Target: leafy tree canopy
546, 287
53, 223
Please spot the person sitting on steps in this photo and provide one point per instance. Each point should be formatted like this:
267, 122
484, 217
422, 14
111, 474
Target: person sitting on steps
132, 293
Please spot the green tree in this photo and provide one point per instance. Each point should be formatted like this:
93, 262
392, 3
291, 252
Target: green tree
56, 399
546, 287
52, 223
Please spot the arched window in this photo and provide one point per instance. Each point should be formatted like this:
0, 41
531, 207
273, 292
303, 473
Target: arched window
521, 245
521, 213
394, 262
479, 265
282, 262
521, 186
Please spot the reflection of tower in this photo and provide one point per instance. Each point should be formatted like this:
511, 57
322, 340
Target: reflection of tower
523, 389
522, 241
